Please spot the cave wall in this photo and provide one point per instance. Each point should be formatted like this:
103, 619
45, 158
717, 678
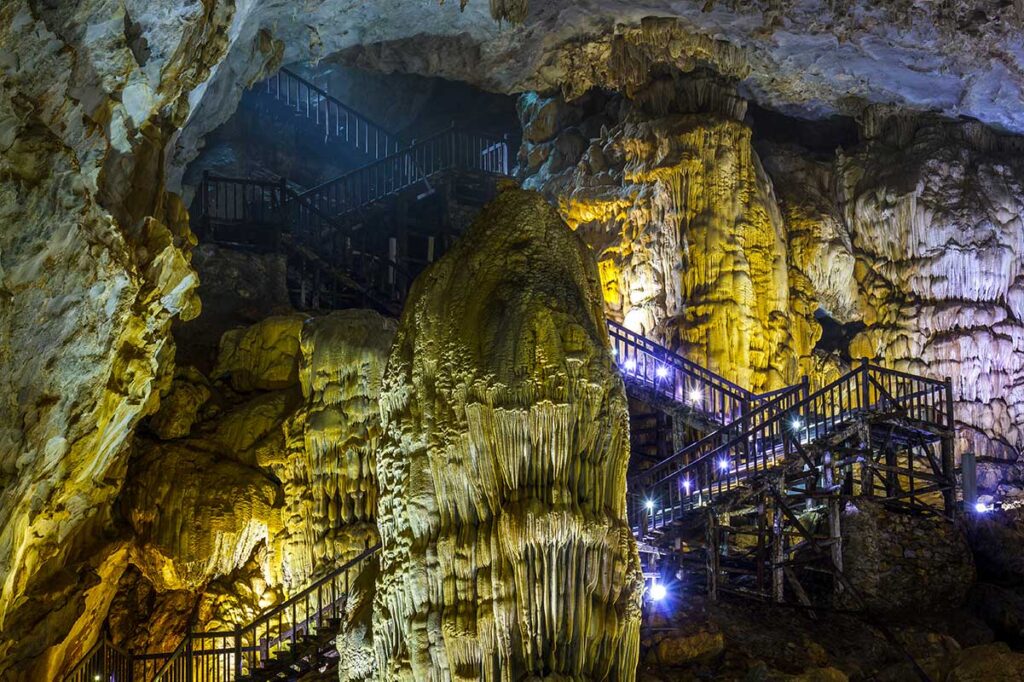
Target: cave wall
506, 552
724, 246
690, 240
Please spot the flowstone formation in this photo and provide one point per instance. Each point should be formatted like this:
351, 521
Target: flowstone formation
667, 189
506, 554
936, 211
248, 484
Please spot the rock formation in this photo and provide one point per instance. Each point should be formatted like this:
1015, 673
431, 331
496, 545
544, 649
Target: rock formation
691, 245
502, 471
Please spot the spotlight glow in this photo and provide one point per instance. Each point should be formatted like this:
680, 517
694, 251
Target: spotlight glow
723, 464
796, 424
661, 372
630, 365
981, 507
649, 504
695, 396
687, 484
658, 592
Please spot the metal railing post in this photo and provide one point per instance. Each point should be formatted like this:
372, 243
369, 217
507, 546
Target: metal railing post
238, 652
188, 658
865, 395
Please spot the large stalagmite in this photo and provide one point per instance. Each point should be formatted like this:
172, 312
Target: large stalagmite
502, 472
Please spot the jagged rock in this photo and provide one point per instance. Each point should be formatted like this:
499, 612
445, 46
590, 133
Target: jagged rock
502, 469
264, 356
997, 540
197, 515
988, 663
179, 409
890, 559
678, 650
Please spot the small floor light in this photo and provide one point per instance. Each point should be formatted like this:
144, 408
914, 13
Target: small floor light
661, 371
630, 365
796, 423
658, 592
695, 396
723, 464
981, 507
649, 504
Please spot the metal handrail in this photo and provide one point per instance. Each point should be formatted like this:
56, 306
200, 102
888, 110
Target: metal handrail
446, 150
243, 648
339, 120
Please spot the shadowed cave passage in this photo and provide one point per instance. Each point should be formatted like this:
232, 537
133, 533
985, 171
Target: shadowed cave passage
509, 341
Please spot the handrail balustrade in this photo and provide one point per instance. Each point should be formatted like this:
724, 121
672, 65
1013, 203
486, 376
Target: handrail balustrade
663, 494
327, 113
226, 655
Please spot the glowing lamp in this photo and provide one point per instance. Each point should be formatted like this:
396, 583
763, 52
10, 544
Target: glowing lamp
661, 372
694, 396
630, 365
723, 464
796, 423
981, 507
658, 592
686, 485
649, 504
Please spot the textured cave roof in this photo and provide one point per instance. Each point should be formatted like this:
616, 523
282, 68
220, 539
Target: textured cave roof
958, 58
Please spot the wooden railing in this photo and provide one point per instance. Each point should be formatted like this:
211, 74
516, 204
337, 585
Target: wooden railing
725, 459
671, 376
229, 654
335, 120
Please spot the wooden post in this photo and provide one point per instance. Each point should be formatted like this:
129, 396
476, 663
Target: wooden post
712, 539
948, 455
762, 530
835, 507
867, 482
778, 555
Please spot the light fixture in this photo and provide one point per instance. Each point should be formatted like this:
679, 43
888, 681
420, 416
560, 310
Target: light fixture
686, 485
661, 372
615, 351
981, 507
723, 464
630, 365
658, 592
649, 504
695, 396
796, 423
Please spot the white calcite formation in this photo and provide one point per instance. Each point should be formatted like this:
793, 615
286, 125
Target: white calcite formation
506, 553
936, 212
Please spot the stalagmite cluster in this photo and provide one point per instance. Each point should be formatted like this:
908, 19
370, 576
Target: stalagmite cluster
502, 470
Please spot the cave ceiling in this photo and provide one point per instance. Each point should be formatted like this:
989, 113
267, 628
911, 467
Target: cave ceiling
809, 59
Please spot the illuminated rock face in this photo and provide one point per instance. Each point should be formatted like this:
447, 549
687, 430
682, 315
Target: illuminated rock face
690, 242
936, 212
506, 554
275, 481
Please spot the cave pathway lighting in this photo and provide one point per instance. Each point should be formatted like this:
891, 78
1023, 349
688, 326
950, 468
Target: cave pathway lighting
796, 424
694, 396
658, 592
630, 365
723, 464
686, 485
981, 508
661, 372
649, 505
